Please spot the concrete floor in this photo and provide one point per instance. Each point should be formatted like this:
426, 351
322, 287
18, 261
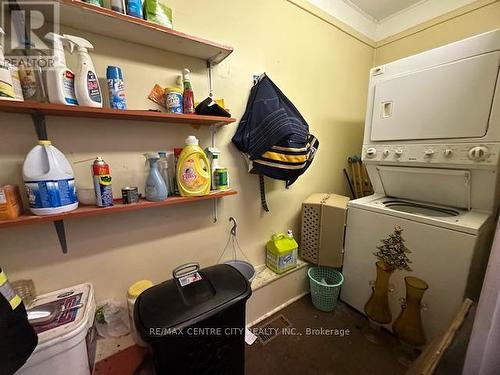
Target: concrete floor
302, 353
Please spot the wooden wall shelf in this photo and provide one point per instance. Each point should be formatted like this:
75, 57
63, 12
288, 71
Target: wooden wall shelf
110, 114
106, 22
85, 211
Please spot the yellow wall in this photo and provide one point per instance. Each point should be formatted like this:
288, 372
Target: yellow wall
320, 68
463, 23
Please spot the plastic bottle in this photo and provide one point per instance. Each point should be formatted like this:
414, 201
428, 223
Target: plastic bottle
214, 166
87, 88
281, 252
156, 189
16, 82
133, 292
31, 77
118, 6
116, 88
134, 8
6, 86
177, 154
49, 180
164, 168
188, 94
193, 170
60, 79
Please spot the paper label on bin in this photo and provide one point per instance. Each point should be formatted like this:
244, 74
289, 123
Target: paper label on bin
191, 278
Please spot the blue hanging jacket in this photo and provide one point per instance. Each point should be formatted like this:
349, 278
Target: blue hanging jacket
273, 136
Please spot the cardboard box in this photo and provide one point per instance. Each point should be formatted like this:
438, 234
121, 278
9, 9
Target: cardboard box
323, 227
11, 205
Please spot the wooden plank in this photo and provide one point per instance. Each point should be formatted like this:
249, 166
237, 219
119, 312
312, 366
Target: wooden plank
80, 15
85, 211
427, 362
111, 114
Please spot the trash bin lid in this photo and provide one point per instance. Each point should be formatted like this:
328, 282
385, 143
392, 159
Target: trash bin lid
190, 298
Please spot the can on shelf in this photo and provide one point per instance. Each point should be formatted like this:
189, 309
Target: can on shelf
116, 88
102, 183
221, 179
130, 194
173, 100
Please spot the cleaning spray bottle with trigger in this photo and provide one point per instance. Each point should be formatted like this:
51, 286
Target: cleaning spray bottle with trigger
60, 79
87, 88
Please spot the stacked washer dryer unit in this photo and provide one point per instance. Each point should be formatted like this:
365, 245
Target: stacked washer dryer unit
431, 147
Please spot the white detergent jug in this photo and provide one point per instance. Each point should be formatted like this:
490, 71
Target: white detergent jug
49, 181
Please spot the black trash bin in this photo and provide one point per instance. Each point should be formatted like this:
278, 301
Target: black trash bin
195, 323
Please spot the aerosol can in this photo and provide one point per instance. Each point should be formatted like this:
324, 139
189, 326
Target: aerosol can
102, 183
87, 88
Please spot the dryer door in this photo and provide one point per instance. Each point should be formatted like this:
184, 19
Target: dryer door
452, 100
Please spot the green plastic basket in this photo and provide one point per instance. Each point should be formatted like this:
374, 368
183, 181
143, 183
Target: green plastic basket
325, 287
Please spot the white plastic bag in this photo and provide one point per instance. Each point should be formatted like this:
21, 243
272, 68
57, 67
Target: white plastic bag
112, 319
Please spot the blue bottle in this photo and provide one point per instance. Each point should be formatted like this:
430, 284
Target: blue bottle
116, 88
156, 189
134, 8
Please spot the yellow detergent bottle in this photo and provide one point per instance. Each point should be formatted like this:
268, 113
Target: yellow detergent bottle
193, 170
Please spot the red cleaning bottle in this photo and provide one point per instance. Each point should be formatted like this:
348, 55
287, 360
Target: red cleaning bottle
188, 95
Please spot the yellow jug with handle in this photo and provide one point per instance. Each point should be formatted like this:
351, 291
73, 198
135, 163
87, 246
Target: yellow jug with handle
193, 170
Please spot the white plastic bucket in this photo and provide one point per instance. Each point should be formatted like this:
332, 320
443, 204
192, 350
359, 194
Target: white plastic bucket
63, 350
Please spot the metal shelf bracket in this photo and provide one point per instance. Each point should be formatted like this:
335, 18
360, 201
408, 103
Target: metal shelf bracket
61, 235
40, 125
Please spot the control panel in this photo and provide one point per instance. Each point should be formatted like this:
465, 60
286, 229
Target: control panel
458, 153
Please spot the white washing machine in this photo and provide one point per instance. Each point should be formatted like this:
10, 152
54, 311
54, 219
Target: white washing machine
431, 148
442, 242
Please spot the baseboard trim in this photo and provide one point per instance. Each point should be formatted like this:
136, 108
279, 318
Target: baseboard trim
275, 310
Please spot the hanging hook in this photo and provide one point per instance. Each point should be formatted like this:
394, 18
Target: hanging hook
235, 225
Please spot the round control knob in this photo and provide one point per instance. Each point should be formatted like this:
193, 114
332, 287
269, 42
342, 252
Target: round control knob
429, 153
371, 152
448, 152
386, 153
478, 153
398, 152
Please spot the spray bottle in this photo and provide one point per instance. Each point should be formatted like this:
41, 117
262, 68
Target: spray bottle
156, 189
213, 154
6, 84
188, 94
87, 88
164, 168
60, 79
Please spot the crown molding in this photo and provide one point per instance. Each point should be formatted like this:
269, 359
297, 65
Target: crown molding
345, 15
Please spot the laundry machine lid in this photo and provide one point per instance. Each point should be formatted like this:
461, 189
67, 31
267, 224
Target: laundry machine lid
467, 221
447, 187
